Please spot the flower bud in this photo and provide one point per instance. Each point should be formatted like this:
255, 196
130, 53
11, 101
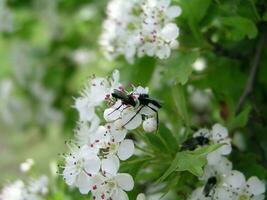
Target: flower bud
150, 125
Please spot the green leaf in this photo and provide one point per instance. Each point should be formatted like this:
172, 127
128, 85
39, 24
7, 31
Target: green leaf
264, 17
156, 143
195, 9
184, 66
192, 161
142, 70
180, 103
239, 27
240, 120
168, 138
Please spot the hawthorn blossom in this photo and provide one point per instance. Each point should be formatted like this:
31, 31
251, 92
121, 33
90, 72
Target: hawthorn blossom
150, 124
113, 186
219, 135
98, 90
131, 116
138, 28
6, 18
252, 189
80, 165
27, 165
35, 189
13, 191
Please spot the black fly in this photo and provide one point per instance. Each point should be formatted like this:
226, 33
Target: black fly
142, 101
192, 143
210, 184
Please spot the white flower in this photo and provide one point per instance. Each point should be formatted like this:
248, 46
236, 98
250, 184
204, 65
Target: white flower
128, 116
6, 18
113, 187
110, 140
94, 95
85, 130
14, 191
140, 27
221, 170
80, 165
27, 165
253, 189
39, 186
219, 136
150, 124
141, 196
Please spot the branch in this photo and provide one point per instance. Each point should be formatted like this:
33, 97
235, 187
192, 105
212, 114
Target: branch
253, 72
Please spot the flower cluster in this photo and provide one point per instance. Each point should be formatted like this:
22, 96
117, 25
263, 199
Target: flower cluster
35, 189
94, 161
140, 28
6, 18
220, 180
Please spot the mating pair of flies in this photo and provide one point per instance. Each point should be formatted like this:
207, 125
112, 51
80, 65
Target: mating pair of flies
142, 101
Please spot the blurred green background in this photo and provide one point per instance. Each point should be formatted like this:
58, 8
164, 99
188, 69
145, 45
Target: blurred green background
46, 56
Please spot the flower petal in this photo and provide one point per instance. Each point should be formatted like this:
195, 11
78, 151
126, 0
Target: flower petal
255, 186
125, 181
236, 179
130, 119
174, 11
84, 183
119, 194
92, 165
219, 132
170, 32
111, 164
126, 149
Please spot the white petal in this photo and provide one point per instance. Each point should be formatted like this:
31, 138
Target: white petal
111, 164
119, 194
111, 114
174, 11
125, 181
86, 111
214, 158
224, 166
117, 131
170, 32
141, 196
92, 165
126, 149
226, 148
84, 183
130, 119
150, 125
163, 52
224, 194
116, 75
258, 197
219, 132
68, 176
255, 186
236, 179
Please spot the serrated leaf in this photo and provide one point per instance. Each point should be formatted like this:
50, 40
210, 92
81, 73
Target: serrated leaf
192, 161
239, 27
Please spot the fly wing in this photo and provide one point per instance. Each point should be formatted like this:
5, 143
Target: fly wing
120, 95
124, 97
